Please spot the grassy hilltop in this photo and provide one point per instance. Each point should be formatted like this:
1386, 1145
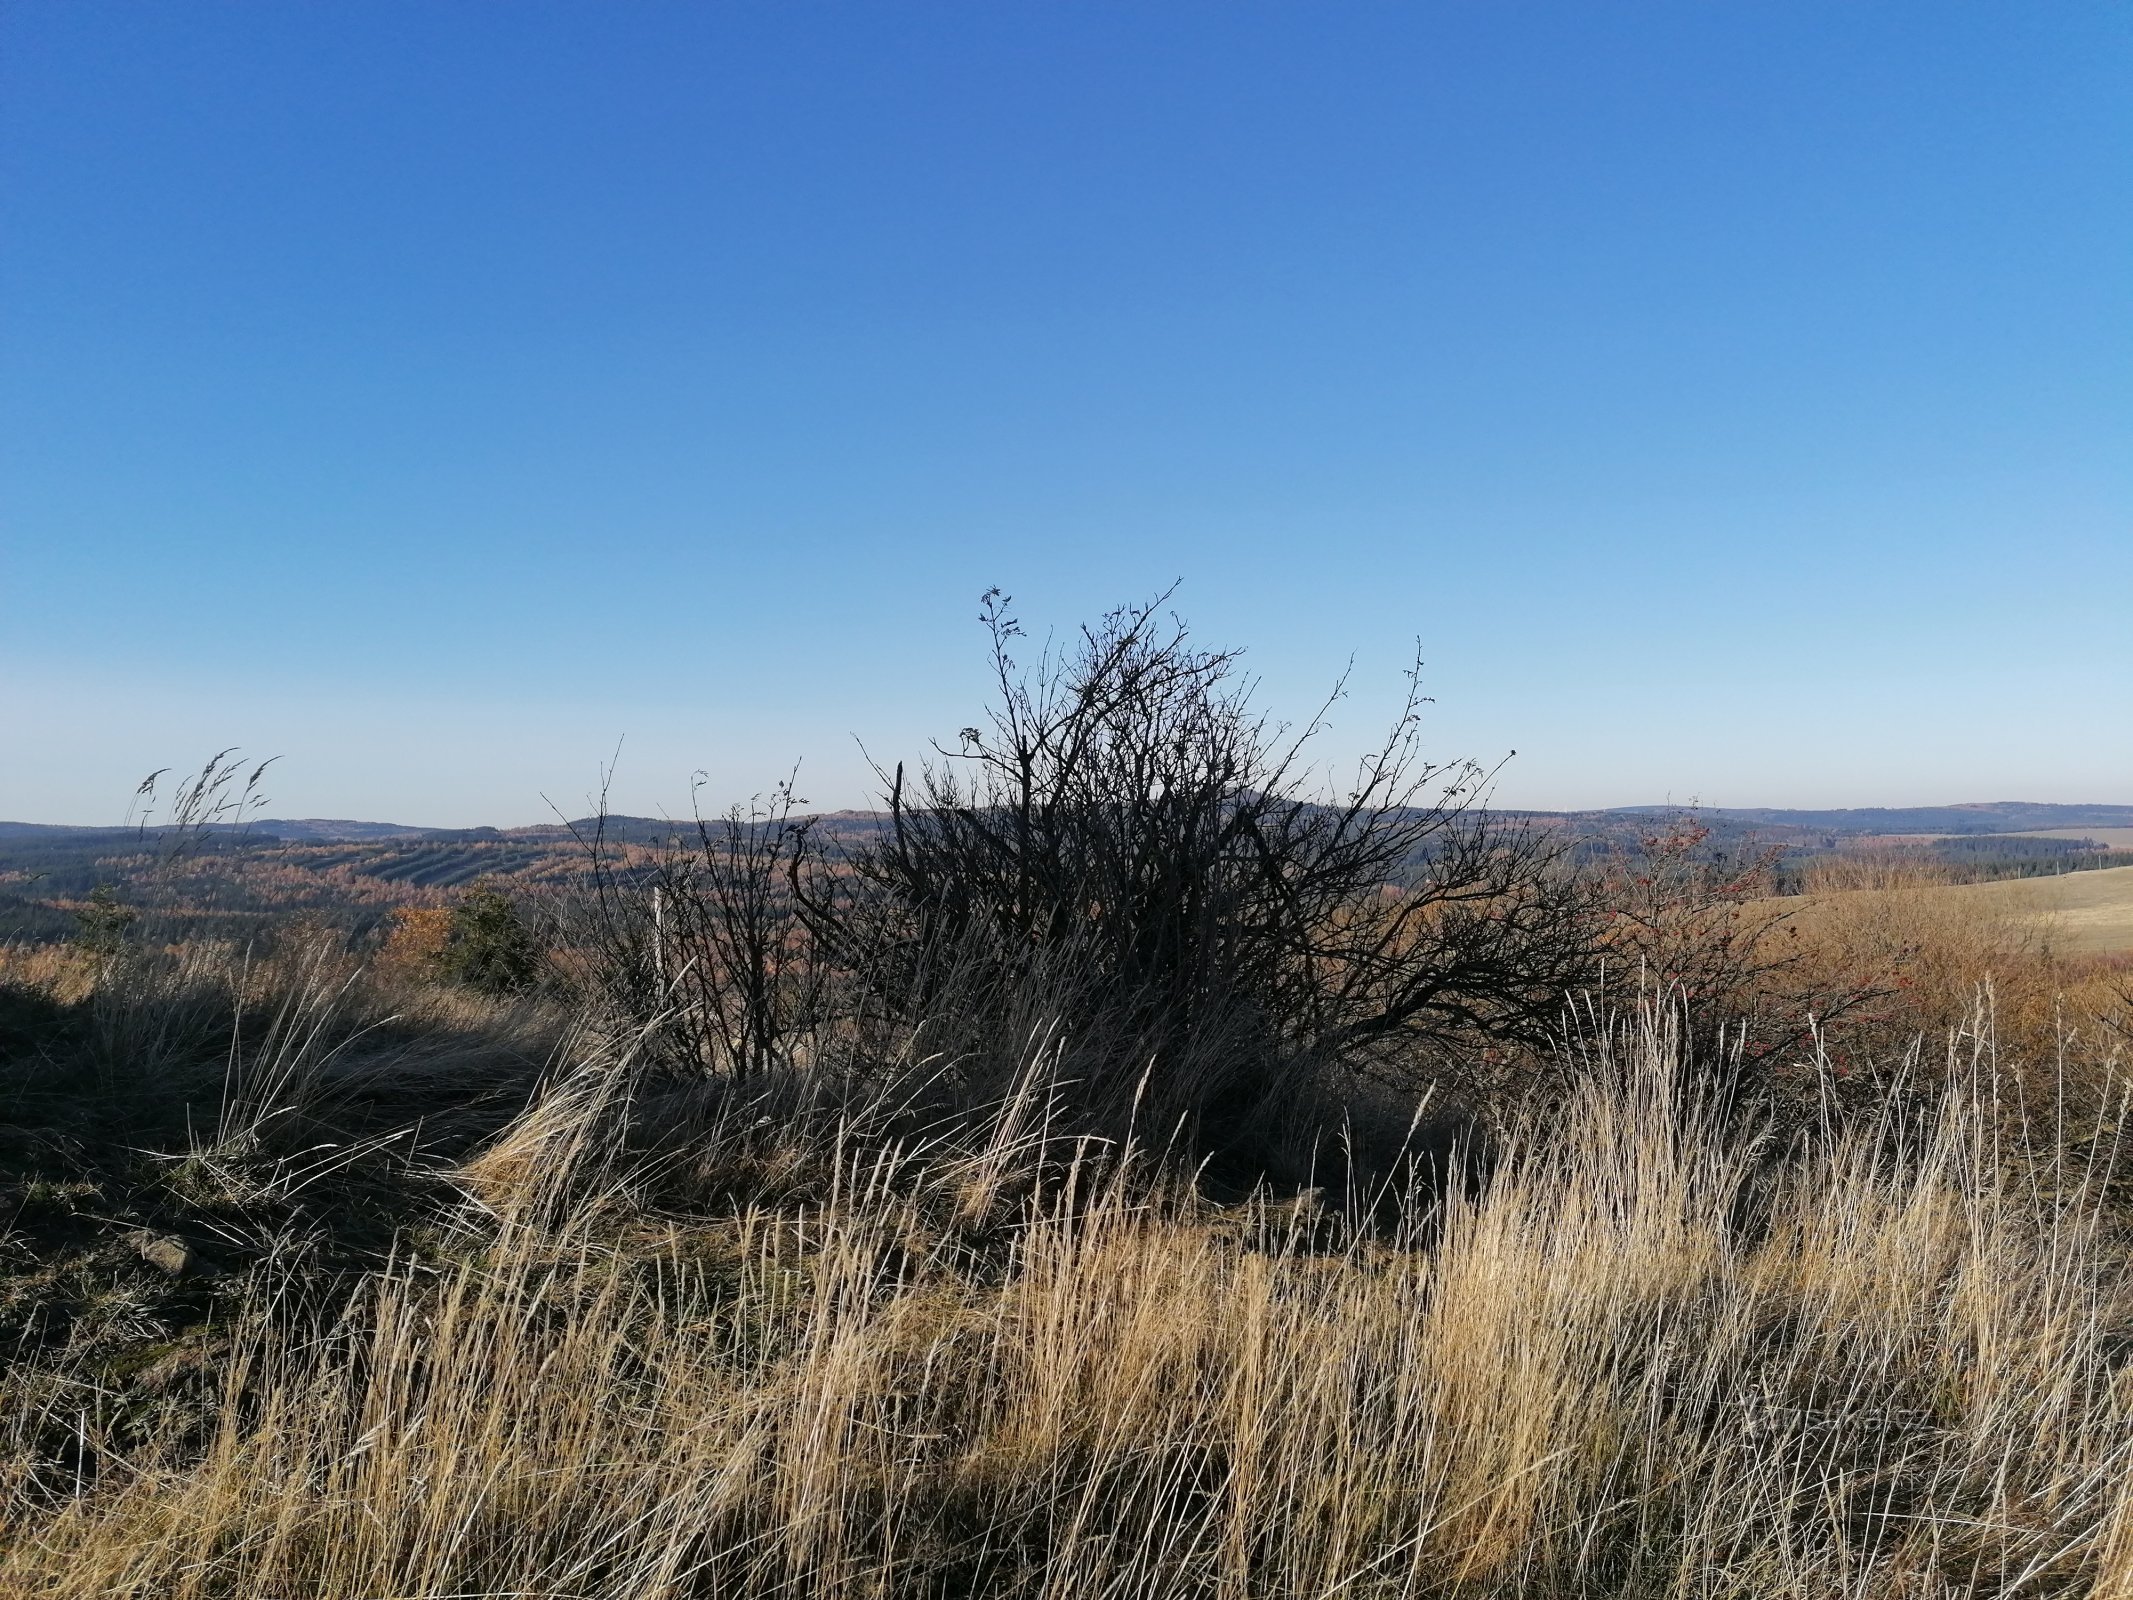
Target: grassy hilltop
1121, 1172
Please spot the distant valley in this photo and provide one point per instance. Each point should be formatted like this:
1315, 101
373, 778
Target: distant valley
356, 873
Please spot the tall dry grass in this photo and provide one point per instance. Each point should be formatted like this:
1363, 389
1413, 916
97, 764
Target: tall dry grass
1928, 949
1645, 1354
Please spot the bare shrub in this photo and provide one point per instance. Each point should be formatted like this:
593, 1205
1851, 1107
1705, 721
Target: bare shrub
1128, 823
1127, 854
696, 940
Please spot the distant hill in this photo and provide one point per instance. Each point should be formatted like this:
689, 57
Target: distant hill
1980, 817
327, 830
31, 831
1991, 816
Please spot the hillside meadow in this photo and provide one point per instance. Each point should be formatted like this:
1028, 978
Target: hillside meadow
1126, 1172
2083, 913
325, 1282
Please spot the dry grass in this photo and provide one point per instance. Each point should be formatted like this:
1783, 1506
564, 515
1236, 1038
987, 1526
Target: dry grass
645, 1341
2082, 913
1643, 1357
1929, 948
2073, 914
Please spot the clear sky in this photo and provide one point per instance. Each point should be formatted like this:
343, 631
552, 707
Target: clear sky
1736, 400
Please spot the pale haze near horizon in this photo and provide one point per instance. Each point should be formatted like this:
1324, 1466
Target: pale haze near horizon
1735, 404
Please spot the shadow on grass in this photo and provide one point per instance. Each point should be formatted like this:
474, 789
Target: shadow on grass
148, 1169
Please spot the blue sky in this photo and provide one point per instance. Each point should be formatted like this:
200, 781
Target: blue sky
1736, 401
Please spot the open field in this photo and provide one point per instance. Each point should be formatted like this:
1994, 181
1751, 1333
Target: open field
2082, 913
2075, 914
